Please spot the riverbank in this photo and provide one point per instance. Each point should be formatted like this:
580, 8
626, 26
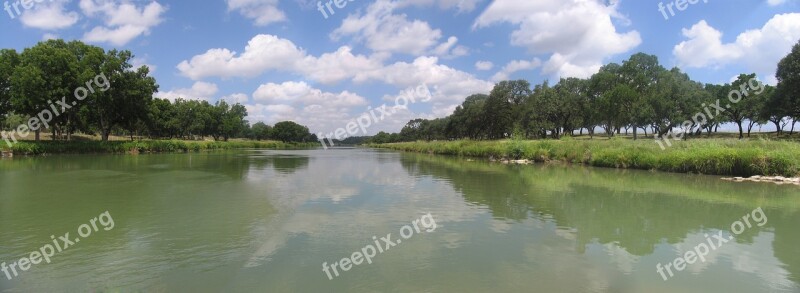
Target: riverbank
31, 148
704, 156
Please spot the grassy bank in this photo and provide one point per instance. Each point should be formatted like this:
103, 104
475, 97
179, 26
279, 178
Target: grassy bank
704, 156
30, 148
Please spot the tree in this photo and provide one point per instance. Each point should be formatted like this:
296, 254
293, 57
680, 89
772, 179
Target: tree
467, 120
160, 122
775, 108
498, 113
788, 75
233, 120
46, 72
641, 73
261, 131
109, 106
289, 131
9, 59
671, 102
740, 103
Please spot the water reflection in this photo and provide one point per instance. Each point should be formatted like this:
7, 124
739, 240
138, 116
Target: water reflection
638, 212
247, 221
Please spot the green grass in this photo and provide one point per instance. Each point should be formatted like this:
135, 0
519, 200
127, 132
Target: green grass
728, 157
30, 148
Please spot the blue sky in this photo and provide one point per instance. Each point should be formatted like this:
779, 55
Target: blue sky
285, 61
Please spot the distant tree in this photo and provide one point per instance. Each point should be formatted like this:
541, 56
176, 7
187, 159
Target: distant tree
289, 131
9, 59
788, 75
233, 121
261, 131
775, 108
498, 114
739, 111
467, 120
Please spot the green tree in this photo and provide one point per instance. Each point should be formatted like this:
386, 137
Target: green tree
46, 73
289, 131
788, 75
498, 114
261, 131
9, 60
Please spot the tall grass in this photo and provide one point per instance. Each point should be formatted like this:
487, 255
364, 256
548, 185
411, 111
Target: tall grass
705, 156
145, 146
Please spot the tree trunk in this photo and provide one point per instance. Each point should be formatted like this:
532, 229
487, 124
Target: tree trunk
635, 135
741, 130
104, 134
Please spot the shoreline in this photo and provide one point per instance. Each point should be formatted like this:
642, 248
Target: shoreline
41, 148
720, 157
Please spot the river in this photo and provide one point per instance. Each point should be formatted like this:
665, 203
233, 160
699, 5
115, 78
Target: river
270, 221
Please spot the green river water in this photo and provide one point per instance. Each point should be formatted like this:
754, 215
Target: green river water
267, 221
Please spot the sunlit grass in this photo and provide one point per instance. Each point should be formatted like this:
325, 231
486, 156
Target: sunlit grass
705, 156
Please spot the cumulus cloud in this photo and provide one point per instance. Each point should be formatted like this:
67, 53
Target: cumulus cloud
516, 66
775, 2
304, 104
383, 31
123, 21
484, 65
49, 15
201, 91
758, 49
262, 12
271, 53
460, 5
237, 98
579, 34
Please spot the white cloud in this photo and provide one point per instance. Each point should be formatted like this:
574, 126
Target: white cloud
263, 12
299, 102
516, 66
382, 31
137, 62
448, 84
50, 15
201, 91
579, 34
460, 5
775, 2
484, 65
267, 52
236, 98
758, 49
449, 49
123, 20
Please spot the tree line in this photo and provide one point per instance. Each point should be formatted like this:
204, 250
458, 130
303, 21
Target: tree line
33, 80
639, 94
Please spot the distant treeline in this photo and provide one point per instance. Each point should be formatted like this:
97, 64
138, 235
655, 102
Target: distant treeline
49, 76
638, 94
